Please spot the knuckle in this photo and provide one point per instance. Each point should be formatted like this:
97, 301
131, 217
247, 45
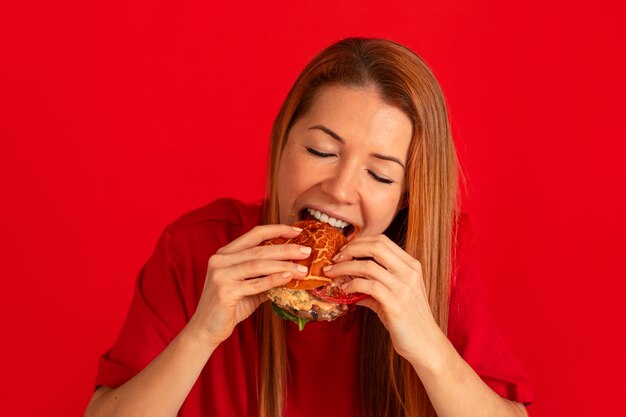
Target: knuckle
379, 245
255, 265
214, 261
417, 266
215, 275
256, 251
370, 265
381, 238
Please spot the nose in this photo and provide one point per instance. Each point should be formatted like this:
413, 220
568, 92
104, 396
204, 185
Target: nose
342, 184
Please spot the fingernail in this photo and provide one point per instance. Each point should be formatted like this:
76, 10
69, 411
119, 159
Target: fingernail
286, 274
297, 229
327, 268
302, 268
337, 256
305, 249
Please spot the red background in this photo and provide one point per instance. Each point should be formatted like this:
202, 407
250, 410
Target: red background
116, 118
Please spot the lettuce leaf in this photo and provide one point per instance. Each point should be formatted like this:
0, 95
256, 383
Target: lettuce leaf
283, 314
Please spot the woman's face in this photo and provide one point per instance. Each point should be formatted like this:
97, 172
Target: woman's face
345, 159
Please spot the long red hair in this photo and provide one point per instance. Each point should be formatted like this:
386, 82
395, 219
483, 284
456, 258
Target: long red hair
424, 229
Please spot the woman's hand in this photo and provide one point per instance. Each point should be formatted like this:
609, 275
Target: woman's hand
238, 276
395, 283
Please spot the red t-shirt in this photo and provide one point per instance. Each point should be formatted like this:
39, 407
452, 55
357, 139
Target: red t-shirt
322, 358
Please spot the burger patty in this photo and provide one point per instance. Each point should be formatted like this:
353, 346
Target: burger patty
302, 303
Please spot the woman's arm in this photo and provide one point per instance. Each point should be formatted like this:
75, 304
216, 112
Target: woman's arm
237, 277
455, 389
395, 283
160, 389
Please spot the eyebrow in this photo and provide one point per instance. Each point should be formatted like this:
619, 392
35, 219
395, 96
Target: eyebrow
343, 141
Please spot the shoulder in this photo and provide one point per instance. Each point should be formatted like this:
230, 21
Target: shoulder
216, 223
227, 212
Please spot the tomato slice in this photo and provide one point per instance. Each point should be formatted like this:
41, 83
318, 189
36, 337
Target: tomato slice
334, 294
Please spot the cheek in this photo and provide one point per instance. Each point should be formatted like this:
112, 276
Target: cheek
382, 208
294, 173
384, 196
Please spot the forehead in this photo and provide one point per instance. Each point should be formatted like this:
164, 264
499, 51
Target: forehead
359, 114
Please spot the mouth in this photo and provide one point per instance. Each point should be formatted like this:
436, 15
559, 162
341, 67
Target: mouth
343, 226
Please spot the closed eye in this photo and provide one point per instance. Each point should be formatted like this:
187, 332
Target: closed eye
379, 178
318, 153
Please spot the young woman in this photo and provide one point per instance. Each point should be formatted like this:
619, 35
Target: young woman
363, 137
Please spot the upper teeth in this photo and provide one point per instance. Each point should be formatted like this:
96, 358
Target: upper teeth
323, 217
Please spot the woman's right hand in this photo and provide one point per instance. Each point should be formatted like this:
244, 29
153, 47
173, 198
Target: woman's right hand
238, 276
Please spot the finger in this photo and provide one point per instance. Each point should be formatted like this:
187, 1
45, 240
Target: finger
259, 234
375, 243
382, 249
259, 268
289, 251
285, 252
361, 268
373, 288
259, 285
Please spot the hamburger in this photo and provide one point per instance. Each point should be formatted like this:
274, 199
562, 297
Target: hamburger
314, 297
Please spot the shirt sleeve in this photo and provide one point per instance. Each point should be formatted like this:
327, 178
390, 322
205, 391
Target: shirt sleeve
474, 333
157, 314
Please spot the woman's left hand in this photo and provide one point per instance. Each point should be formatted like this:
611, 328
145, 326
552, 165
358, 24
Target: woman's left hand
395, 283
